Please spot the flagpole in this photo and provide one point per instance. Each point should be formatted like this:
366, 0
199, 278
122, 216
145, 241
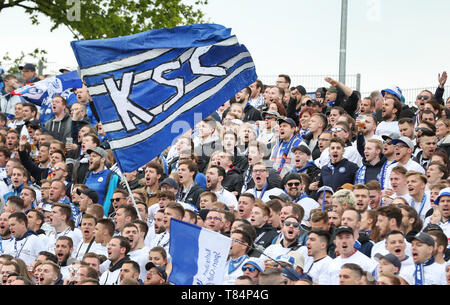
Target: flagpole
131, 194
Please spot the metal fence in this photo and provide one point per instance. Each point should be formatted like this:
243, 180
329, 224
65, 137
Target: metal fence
313, 81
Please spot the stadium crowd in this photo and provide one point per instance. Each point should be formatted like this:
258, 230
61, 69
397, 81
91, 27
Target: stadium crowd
323, 188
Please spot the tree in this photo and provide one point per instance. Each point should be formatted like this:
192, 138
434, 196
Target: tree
95, 19
37, 56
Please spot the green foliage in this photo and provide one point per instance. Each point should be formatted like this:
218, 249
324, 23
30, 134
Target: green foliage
13, 64
95, 19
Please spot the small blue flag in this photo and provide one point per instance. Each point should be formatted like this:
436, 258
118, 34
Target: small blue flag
149, 88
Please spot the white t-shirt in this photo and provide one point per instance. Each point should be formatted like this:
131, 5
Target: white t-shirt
27, 248
380, 247
433, 274
266, 195
308, 204
82, 249
228, 198
140, 256
366, 263
411, 165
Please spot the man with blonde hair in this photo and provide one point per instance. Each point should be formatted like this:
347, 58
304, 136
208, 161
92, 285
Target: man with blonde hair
342, 200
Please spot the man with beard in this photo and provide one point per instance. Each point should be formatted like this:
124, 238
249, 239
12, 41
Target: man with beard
390, 111
424, 271
317, 261
63, 251
294, 186
362, 197
238, 255
164, 197
101, 179
339, 170
265, 233
403, 156
372, 163
88, 244
214, 177
303, 162
282, 155
137, 253
262, 189
87, 198
352, 218
389, 219
345, 242
251, 114
291, 233
157, 230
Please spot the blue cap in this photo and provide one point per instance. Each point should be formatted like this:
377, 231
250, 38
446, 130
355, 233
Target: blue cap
443, 192
393, 90
291, 274
286, 259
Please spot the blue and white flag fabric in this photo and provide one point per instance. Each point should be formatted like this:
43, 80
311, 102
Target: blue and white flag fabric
199, 255
42, 92
151, 87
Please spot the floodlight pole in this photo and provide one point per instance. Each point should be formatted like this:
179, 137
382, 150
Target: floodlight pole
343, 44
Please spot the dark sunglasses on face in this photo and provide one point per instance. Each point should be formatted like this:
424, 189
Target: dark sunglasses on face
425, 97
269, 117
288, 223
293, 183
249, 268
116, 199
337, 129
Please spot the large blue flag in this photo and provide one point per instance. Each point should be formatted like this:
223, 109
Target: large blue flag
42, 93
199, 256
149, 88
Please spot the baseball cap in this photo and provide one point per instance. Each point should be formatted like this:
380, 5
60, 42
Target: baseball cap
325, 189
272, 112
393, 90
299, 259
160, 269
405, 140
90, 193
169, 181
283, 197
301, 89
432, 227
312, 102
302, 148
98, 150
33, 123
287, 120
391, 135
285, 258
332, 89
47, 207
443, 192
343, 229
291, 274
346, 186
425, 238
389, 257
258, 263
28, 66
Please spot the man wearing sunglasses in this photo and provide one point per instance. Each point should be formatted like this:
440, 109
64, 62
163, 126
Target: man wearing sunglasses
294, 187
252, 268
423, 97
291, 232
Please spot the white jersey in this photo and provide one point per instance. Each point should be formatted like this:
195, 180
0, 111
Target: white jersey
140, 256
380, 247
109, 277
433, 274
161, 240
230, 277
307, 204
420, 208
76, 236
386, 128
411, 165
84, 248
318, 270
366, 263
265, 195
26, 248
228, 198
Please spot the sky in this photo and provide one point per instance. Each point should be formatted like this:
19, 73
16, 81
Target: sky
389, 42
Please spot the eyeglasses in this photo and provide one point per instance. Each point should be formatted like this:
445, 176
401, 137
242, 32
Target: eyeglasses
425, 97
269, 117
293, 184
388, 142
249, 268
214, 218
440, 125
57, 168
400, 146
337, 129
116, 199
259, 171
153, 272
289, 223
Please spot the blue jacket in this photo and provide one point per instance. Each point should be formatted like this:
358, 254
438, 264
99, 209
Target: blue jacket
344, 172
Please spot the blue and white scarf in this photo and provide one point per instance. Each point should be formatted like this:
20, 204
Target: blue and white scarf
361, 175
419, 274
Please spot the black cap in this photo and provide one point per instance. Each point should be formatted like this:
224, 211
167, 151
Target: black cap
390, 258
169, 181
90, 193
160, 269
28, 66
425, 238
34, 123
342, 229
287, 120
302, 148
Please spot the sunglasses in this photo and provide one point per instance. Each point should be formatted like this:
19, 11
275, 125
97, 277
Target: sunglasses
269, 117
388, 142
116, 199
293, 183
288, 223
249, 268
337, 129
425, 97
